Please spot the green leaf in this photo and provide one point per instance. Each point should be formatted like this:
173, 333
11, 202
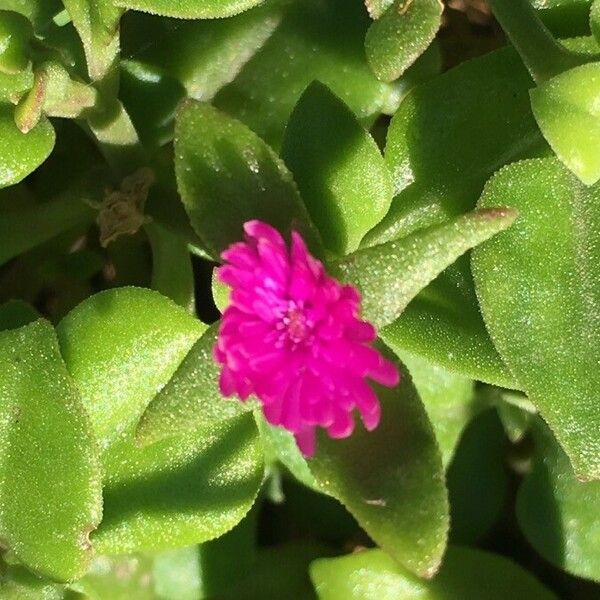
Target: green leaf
97, 22
227, 175
566, 109
177, 574
443, 325
400, 35
15, 314
190, 9
49, 472
280, 446
284, 567
172, 273
540, 298
203, 55
477, 479
12, 87
376, 8
118, 578
465, 574
191, 400
558, 513
39, 12
315, 40
392, 480
447, 139
342, 178
20, 153
180, 491
17, 583
121, 346
392, 274
448, 398
15, 34
151, 98
27, 227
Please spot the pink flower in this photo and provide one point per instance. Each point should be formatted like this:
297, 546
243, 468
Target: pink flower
292, 336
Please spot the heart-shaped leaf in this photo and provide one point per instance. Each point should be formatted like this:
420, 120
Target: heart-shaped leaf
20, 153
342, 178
190, 9
540, 295
180, 491
465, 574
392, 274
121, 346
227, 175
566, 109
558, 513
49, 470
400, 35
392, 480
191, 400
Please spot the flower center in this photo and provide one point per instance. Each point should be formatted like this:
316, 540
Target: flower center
295, 324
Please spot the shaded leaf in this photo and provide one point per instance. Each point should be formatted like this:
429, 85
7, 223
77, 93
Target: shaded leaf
227, 175
558, 513
191, 400
15, 314
172, 273
448, 398
44, 431
392, 480
392, 274
466, 573
540, 298
190, 9
477, 479
342, 178
17, 583
180, 491
400, 35
20, 153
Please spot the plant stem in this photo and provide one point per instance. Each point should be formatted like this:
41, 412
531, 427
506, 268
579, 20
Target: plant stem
541, 53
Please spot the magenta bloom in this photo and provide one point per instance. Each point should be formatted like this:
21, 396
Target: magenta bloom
292, 336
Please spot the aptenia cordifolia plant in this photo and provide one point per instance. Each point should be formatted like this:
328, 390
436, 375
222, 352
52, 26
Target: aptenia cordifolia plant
299, 299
